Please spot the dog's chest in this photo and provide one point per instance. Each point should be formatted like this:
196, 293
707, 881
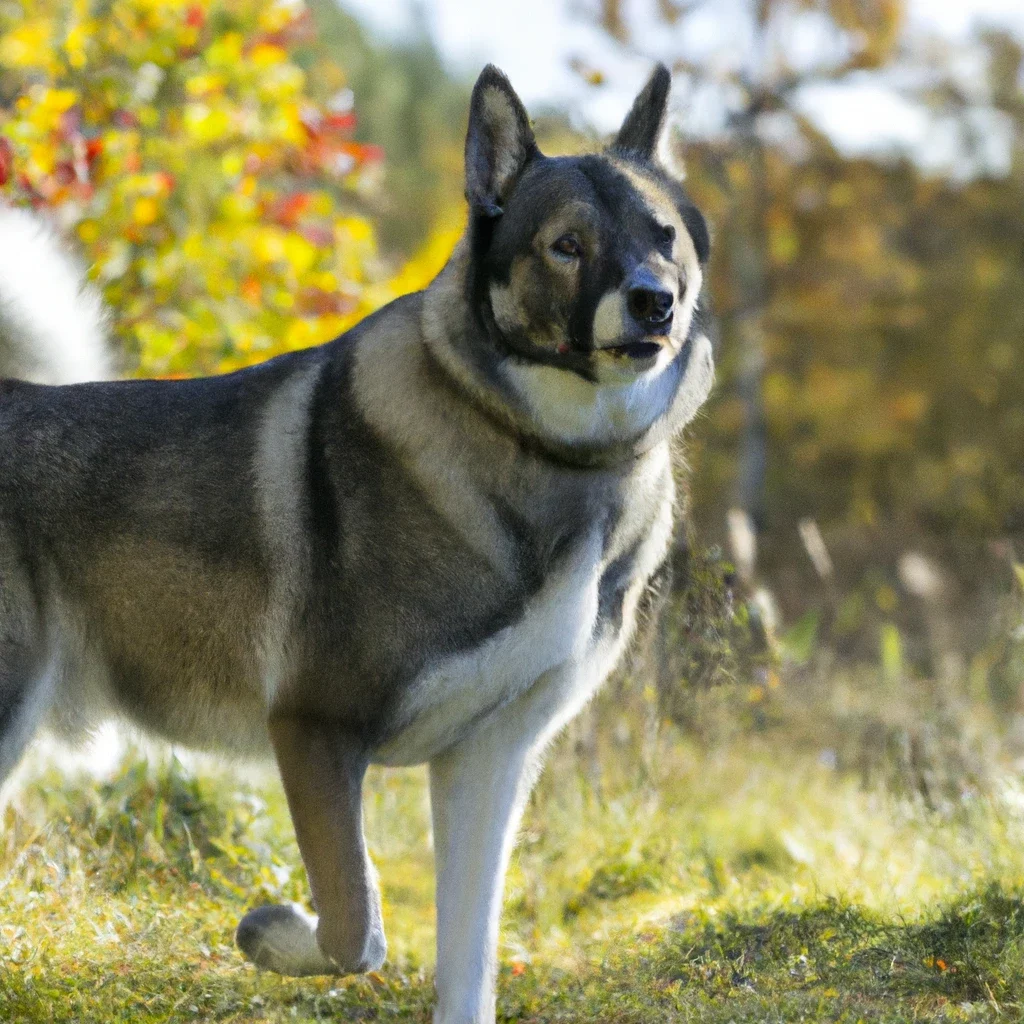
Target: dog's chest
557, 627
573, 628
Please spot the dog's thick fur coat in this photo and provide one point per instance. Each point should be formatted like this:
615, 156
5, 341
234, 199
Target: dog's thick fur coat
423, 542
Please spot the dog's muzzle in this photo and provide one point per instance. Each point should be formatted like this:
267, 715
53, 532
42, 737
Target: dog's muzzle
649, 302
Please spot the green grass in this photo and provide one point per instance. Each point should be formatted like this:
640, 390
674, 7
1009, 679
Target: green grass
741, 882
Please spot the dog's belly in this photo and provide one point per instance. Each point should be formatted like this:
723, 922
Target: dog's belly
451, 696
184, 710
171, 653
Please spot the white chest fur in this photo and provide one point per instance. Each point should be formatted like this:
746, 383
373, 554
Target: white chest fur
556, 628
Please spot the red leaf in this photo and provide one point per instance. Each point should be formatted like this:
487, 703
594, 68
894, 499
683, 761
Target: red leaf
64, 173
125, 119
321, 303
71, 122
6, 160
319, 235
288, 211
251, 290
339, 122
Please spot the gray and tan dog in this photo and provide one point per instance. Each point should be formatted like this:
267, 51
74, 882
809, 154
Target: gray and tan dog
423, 542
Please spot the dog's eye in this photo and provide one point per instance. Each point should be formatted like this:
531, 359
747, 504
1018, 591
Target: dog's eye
669, 232
568, 248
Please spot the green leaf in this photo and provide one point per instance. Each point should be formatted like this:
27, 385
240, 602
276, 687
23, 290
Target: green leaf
890, 647
1018, 570
799, 640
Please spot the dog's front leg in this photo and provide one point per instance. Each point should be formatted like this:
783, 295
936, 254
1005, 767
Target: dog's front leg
322, 769
477, 792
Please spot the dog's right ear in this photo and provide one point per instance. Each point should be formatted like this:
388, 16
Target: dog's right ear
499, 143
641, 131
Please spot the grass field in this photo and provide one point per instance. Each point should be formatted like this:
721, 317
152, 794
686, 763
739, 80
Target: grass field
748, 880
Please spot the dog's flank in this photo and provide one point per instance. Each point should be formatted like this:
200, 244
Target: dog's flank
425, 541
51, 324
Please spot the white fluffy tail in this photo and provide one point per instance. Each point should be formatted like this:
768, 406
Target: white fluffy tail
51, 321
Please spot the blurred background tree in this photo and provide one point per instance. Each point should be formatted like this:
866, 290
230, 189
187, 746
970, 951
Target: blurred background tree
870, 380
411, 106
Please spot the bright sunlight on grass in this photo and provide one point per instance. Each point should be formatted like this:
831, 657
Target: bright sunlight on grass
730, 882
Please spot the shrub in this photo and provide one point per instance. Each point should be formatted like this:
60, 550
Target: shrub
216, 198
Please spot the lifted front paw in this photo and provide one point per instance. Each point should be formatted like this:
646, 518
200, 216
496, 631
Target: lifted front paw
287, 940
283, 939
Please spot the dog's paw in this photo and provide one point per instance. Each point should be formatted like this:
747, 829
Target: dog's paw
283, 939
287, 940
355, 951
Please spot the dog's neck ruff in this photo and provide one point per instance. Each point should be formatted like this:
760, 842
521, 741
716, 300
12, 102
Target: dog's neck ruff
558, 414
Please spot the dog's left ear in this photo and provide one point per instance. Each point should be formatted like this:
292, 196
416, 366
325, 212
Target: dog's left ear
499, 143
641, 131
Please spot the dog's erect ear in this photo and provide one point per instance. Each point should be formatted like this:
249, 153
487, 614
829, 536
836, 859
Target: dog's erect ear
499, 143
641, 131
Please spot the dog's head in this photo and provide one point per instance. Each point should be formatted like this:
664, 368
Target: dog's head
585, 273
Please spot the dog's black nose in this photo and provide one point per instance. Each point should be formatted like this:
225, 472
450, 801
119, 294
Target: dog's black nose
648, 301
650, 305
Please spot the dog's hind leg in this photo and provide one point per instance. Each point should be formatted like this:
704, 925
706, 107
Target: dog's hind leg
25, 686
322, 769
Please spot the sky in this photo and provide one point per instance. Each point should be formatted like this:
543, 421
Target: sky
533, 41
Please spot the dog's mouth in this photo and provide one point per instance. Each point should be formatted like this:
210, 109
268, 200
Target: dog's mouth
632, 355
636, 350
644, 348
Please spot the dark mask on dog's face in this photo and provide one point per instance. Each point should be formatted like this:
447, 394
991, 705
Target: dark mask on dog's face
587, 270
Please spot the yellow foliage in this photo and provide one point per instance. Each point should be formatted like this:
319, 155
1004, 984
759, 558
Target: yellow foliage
214, 199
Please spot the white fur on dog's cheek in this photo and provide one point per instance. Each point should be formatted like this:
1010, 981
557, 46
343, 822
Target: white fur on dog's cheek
694, 279
503, 306
690, 286
608, 319
620, 406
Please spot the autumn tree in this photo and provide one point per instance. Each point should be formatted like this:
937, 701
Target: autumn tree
870, 312
754, 82
411, 105
211, 178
